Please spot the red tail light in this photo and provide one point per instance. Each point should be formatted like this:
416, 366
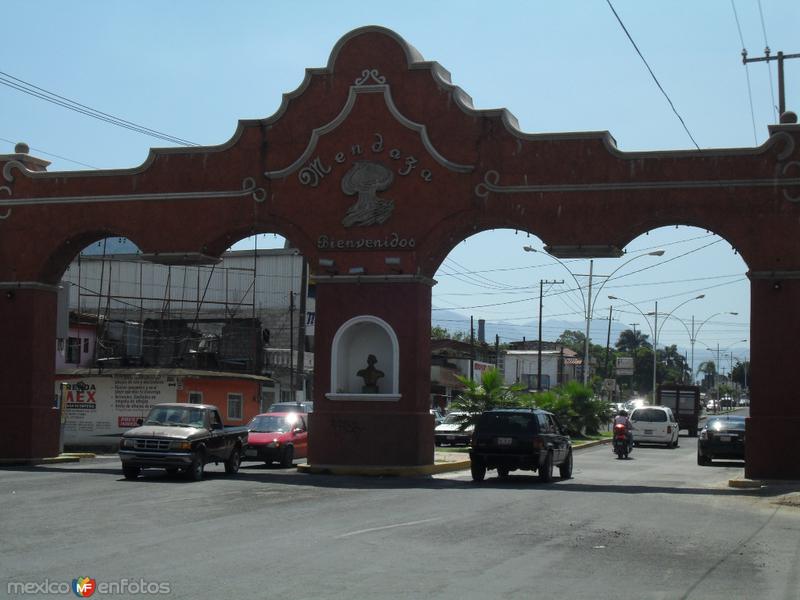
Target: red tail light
669, 428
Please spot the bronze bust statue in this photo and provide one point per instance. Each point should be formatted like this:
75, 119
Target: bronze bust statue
370, 375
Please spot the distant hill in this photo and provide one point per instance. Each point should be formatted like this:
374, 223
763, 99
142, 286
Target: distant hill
551, 328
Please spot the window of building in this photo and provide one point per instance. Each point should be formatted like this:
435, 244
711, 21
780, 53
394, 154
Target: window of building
287, 396
86, 345
195, 397
73, 354
234, 406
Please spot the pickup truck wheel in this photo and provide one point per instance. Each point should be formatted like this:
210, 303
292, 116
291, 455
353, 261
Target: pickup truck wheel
288, 457
130, 471
565, 469
478, 470
502, 472
197, 468
546, 470
232, 464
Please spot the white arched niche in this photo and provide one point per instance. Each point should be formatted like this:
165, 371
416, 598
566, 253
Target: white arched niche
353, 343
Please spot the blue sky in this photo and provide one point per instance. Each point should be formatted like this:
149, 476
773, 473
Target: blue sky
193, 68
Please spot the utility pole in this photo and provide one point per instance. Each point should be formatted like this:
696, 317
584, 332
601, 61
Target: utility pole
471, 348
780, 57
588, 323
301, 328
497, 351
608, 339
291, 343
539, 344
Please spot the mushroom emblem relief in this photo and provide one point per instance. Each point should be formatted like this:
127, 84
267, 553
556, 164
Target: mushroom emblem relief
365, 179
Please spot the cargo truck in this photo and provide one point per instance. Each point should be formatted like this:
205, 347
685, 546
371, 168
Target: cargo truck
684, 400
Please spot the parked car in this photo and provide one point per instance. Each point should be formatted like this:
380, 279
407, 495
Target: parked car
712, 405
744, 401
301, 407
438, 416
181, 437
451, 430
277, 437
654, 425
722, 437
528, 439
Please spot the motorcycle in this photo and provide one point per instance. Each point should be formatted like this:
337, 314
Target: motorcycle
622, 445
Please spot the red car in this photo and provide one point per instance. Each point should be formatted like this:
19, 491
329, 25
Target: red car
277, 437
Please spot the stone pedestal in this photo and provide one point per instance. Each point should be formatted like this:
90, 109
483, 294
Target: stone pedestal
390, 428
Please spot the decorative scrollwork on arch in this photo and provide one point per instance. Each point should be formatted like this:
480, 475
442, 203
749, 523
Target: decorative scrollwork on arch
785, 171
5, 188
13, 164
370, 74
489, 184
249, 186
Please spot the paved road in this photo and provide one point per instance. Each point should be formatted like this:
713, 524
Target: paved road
654, 526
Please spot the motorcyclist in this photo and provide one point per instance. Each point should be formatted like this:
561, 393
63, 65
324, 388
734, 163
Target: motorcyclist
622, 419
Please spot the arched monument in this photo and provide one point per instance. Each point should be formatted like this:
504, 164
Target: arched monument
375, 167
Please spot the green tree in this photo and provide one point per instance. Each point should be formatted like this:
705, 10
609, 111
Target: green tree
630, 341
490, 393
575, 406
572, 339
741, 374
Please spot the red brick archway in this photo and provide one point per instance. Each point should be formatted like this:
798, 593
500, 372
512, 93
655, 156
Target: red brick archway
375, 167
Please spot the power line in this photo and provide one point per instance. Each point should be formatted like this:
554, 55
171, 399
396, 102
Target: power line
611, 6
43, 94
766, 52
40, 151
747, 73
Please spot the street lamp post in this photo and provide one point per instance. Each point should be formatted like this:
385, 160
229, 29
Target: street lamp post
654, 329
587, 304
693, 333
726, 348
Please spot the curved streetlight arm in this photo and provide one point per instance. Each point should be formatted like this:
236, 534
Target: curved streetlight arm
637, 308
669, 314
571, 274
699, 327
611, 275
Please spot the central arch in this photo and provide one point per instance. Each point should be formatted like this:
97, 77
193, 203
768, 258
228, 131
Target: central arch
374, 167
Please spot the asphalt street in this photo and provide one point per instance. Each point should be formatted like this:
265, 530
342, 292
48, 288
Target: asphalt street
654, 526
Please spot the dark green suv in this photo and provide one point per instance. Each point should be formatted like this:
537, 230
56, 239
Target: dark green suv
508, 439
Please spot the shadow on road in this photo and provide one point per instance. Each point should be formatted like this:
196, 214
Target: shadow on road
288, 477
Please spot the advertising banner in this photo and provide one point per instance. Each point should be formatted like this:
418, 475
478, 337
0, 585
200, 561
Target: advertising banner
98, 408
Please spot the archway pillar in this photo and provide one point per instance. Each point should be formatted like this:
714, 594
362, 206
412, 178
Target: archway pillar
27, 356
772, 444
382, 430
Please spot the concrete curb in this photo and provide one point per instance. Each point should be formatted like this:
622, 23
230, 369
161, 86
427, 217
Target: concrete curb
406, 471
745, 483
67, 457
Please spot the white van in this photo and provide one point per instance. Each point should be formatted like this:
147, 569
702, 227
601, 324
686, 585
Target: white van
654, 425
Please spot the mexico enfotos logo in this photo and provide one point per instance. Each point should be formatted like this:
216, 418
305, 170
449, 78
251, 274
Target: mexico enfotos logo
85, 587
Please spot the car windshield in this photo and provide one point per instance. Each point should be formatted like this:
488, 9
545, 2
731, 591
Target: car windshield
651, 415
507, 423
720, 424
286, 407
175, 416
271, 423
454, 419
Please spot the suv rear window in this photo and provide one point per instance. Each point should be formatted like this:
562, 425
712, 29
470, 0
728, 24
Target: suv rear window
494, 423
650, 415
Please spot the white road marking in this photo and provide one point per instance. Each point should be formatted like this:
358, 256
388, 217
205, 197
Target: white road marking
370, 530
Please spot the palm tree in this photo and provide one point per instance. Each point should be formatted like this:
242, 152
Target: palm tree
490, 393
631, 341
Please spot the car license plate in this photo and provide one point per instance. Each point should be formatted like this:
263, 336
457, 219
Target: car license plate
724, 438
251, 452
648, 432
504, 441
